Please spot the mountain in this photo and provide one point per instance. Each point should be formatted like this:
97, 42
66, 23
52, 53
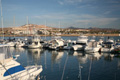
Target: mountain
74, 28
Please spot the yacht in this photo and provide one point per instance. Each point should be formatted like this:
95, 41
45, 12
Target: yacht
12, 70
80, 43
93, 46
34, 42
56, 43
19, 43
107, 46
68, 45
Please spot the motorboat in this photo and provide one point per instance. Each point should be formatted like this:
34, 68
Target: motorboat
107, 46
92, 46
10, 44
19, 43
13, 70
69, 45
34, 42
56, 43
80, 43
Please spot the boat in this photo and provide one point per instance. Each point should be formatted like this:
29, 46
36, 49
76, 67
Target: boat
34, 42
92, 46
19, 43
10, 44
107, 46
13, 70
68, 45
117, 44
101, 40
56, 43
80, 43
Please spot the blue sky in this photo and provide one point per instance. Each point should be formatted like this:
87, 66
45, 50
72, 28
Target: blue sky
76, 13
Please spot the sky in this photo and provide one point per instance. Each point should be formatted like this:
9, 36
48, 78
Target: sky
75, 13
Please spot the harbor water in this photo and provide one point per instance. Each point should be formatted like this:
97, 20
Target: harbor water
68, 64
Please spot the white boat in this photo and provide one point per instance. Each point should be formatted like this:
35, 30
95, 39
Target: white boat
56, 43
12, 70
80, 43
101, 40
107, 46
19, 43
117, 44
69, 45
34, 42
92, 46
10, 44
3, 45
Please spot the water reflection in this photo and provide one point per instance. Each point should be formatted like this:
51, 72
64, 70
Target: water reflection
108, 56
81, 56
36, 53
56, 56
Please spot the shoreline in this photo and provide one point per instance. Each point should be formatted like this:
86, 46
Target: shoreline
63, 35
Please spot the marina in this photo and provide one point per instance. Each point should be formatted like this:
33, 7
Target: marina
68, 64
61, 40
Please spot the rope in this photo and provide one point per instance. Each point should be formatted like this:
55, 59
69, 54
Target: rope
6, 69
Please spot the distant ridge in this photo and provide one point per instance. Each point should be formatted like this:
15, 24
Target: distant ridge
75, 28
93, 28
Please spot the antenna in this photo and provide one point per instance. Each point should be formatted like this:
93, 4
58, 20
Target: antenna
2, 19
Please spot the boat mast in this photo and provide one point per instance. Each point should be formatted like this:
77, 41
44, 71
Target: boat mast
14, 24
2, 19
45, 30
59, 26
27, 27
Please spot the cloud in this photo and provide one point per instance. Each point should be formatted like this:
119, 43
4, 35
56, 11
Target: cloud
72, 1
65, 16
69, 1
96, 22
60, 2
107, 12
79, 20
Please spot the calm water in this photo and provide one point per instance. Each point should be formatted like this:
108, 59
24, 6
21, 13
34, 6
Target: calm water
70, 65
